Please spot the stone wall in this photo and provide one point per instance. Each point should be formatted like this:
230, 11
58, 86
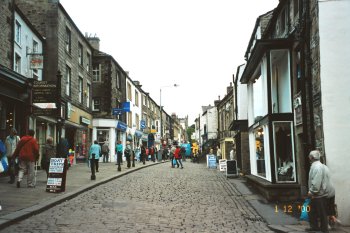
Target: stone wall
6, 35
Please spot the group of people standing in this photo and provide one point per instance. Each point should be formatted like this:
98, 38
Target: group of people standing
21, 156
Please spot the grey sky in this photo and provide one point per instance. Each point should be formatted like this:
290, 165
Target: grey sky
197, 44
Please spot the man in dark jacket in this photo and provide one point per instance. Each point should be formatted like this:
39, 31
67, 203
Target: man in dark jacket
27, 152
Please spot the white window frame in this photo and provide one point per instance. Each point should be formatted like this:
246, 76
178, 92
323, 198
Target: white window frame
18, 63
18, 33
80, 89
88, 62
96, 102
68, 40
96, 73
68, 76
88, 90
80, 54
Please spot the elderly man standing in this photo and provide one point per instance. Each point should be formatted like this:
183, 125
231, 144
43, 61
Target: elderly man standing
320, 188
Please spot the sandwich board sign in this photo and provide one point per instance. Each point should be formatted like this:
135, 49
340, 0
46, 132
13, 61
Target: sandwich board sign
56, 181
231, 168
211, 161
222, 165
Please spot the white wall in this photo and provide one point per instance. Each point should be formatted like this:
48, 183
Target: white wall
27, 37
334, 31
242, 98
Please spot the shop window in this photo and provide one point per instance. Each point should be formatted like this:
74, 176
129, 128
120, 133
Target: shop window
280, 83
260, 151
284, 153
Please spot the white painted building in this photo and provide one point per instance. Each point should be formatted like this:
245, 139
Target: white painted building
27, 41
334, 35
133, 96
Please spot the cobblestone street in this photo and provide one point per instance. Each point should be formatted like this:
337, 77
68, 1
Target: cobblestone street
154, 199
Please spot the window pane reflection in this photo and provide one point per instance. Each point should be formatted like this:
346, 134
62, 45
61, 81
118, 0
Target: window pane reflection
284, 151
259, 149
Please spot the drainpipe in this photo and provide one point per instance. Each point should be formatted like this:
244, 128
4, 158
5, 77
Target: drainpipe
308, 31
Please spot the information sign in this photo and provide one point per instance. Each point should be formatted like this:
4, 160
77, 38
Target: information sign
222, 165
212, 161
56, 181
44, 92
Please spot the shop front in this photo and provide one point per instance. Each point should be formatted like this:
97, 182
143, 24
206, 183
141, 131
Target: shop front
77, 131
14, 102
271, 121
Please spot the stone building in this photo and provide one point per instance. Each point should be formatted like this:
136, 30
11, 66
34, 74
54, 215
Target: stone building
66, 51
239, 124
109, 92
225, 109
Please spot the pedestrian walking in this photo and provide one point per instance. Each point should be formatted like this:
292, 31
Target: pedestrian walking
119, 152
171, 155
151, 152
143, 154
320, 187
49, 152
27, 152
105, 152
218, 154
94, 157
11, 142
165, 153
128, 153
178, 156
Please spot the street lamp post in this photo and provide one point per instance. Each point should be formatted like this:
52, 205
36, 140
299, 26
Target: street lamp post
161, 108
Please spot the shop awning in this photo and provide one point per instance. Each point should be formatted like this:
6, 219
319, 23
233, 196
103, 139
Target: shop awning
241, 125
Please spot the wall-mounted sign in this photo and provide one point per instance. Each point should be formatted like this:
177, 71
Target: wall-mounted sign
44, 92
85, 121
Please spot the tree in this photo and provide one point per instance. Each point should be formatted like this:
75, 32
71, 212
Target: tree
190, 131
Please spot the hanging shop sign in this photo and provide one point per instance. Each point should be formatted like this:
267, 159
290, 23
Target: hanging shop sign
121, 126
36, 61
56, 181
126, 106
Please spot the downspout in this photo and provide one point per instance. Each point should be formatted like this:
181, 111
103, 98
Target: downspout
308, 31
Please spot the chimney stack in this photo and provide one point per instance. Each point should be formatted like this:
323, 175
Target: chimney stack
94, 41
